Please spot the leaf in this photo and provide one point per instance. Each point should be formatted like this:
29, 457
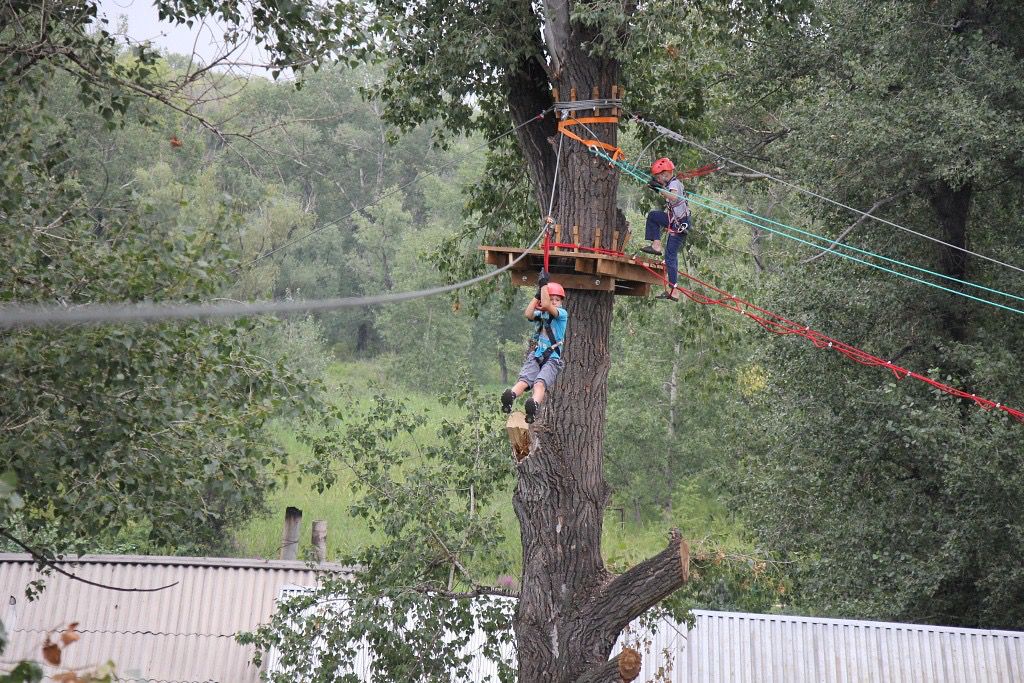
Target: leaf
51, 652
70, 635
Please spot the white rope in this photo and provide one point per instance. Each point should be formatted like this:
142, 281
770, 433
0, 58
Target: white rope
579, 105
679, 138
41, 315
554, 183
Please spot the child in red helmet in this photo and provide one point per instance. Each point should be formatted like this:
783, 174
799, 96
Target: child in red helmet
675, 219
542, 365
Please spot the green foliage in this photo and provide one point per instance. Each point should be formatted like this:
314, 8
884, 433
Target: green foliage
414, 598
896, 499
114, 430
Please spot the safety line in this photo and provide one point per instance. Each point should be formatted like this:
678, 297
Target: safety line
679, 138
643, 177
780, 325
868, 263
551, 205
19, 315
418, 177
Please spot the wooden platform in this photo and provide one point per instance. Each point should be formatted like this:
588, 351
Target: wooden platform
621, 275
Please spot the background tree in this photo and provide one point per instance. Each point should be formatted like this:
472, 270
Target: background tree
910, 109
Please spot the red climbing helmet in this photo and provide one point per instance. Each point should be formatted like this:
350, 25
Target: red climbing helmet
662, 164
555, 289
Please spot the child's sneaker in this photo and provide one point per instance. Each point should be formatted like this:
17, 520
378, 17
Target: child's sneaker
531, 410
507, 399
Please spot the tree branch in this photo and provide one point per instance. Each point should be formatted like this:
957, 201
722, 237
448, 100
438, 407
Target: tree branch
46, 562
867, 214
631, 594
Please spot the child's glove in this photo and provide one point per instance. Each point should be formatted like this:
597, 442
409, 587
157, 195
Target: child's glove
654, 184
544, 278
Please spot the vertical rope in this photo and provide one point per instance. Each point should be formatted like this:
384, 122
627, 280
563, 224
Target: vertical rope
551, 204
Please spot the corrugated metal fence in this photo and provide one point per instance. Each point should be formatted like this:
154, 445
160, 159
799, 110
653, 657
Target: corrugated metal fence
760, 648
184, 634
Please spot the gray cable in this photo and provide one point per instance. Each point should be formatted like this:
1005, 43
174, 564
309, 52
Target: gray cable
679, 138
579, 105
17, 315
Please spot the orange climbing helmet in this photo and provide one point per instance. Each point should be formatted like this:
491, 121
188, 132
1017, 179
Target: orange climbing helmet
555, 289
662, 164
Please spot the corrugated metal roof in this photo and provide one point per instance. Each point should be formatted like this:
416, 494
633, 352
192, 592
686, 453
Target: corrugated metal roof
765, 648
184, 633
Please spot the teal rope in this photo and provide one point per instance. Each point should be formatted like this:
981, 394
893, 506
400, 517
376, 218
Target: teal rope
644, 177
849, 246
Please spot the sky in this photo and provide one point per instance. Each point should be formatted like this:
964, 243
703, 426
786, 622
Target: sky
202, 39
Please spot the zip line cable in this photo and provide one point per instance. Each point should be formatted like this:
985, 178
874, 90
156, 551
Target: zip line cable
643, 177
679, 138
18, 316
418, 177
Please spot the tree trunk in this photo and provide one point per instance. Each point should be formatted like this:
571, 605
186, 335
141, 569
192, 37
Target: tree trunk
951, 208
571, 608
503, 367
673, 395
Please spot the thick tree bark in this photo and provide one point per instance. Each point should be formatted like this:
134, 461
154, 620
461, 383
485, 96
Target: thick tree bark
951, 207
571, 608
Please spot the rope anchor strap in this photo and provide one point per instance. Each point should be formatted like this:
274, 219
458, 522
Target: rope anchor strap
563, 127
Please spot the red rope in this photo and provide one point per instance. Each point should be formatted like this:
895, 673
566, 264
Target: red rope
777, 324
547, 249
697, 172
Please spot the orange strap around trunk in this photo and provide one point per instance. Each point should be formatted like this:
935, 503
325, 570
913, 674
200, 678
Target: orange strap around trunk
563, 128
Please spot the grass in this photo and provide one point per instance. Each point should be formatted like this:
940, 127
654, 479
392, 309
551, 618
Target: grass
697, 513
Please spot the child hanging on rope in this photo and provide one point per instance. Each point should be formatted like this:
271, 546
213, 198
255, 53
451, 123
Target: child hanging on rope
542, 365
675, 219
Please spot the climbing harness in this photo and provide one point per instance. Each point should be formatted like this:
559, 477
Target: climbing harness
544, 326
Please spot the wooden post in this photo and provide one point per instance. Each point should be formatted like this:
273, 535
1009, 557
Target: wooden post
615, 241
518, 435
558, 233
319, 540
615, 96
554, 94
576, 237
290, 539
572, 94
594, 94
625, 241
598, 244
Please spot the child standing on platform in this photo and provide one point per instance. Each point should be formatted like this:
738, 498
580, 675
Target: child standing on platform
675, 219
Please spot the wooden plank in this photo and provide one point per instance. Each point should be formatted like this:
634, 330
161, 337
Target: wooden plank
632, 288
528, 278
584, 265
628, 271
